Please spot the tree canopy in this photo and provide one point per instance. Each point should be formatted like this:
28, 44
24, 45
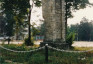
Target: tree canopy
75, 5
84, 30
16, 12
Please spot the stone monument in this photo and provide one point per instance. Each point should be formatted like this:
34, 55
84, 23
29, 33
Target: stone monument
54, 19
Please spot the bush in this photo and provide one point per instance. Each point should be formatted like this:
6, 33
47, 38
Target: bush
15, 47
26, 41
70, 38
2, 60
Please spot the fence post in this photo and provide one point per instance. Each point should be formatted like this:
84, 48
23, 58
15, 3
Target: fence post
46, 52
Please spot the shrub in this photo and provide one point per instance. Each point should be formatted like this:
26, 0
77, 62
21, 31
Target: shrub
2, 60
26, 41
70, 38
15, 47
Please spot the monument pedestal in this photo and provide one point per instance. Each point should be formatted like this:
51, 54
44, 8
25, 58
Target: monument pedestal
59, 45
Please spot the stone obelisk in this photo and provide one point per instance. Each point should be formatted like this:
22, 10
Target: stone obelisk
54, 20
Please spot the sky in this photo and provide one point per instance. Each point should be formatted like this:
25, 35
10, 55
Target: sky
78, 15
37, 15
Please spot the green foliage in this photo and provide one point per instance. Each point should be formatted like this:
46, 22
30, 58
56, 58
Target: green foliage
15, 13
42, 29
36, 59
75, 5
55, 57
70, 38
18, 57
1, 60
37, 3
72, 28
84, 30
27, 40
15, 47
35, 31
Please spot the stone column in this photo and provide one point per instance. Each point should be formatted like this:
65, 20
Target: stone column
63, 21
54, 19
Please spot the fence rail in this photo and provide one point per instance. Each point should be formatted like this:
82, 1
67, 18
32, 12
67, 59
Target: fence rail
22, 51
46, 47
50, 47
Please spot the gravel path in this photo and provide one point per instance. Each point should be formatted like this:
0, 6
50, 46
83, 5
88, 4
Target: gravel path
83, 44
75, 44
19, 42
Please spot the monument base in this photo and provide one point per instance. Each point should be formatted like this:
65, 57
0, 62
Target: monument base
60, 45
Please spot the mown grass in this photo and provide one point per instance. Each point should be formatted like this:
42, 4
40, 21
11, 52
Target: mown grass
83, 48
38, 57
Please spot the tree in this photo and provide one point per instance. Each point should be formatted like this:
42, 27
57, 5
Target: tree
73, 29
91, 34
15, 9
41, 29
84, 30
2, 25
35, 31
74, 5
19, 25
37, 3
12, 8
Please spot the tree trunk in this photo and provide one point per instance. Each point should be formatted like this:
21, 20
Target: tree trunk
66, 19
29, 28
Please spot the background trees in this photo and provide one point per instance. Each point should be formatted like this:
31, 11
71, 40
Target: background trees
84, 30
72, 5
16, 12
2, 25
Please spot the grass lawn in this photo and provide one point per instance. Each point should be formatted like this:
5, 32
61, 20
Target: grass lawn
38, 57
